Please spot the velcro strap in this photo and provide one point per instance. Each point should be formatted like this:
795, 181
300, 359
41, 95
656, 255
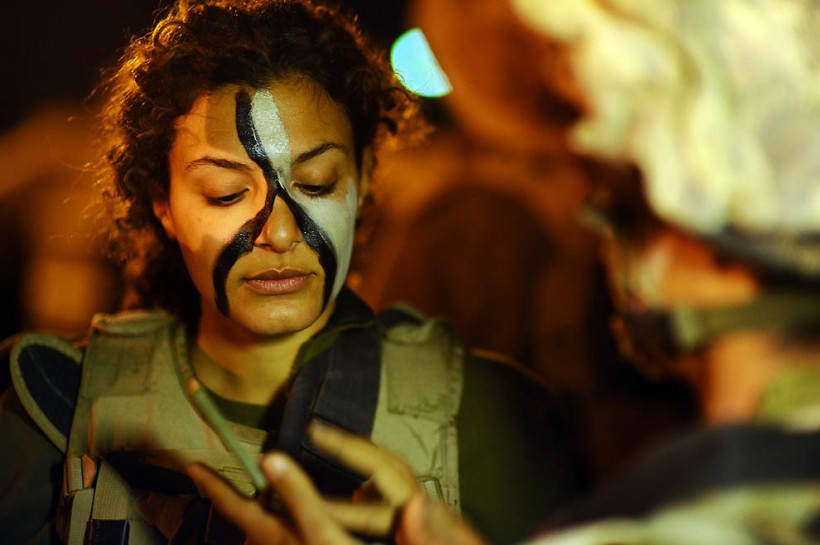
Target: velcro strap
432, 488
80, 515
114, 498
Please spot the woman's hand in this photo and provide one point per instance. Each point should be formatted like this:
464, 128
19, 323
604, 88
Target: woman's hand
309, 519
390, 502
312, 519
425, 522
390, 481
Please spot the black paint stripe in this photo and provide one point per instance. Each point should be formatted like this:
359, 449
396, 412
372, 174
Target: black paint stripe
242, 242
318, 241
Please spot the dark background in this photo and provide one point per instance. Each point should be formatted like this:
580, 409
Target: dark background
53, 49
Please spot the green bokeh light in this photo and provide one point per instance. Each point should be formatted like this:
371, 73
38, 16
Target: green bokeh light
417, 67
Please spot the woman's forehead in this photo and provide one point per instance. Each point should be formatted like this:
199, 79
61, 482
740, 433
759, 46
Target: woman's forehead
302, 106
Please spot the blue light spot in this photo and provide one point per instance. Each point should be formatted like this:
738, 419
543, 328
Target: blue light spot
416, 66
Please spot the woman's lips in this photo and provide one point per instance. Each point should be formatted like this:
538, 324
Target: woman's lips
276, 282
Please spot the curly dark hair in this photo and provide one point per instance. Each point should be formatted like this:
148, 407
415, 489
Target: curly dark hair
202, 45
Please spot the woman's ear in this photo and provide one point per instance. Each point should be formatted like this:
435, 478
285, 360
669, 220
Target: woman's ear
162, 212
364, 179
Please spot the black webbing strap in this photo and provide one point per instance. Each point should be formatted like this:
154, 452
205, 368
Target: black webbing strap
298, 409
340, 386
107, 532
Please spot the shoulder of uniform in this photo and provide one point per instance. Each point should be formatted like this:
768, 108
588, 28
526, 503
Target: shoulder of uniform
423, 364
45, 373
132, 322
498, 364
46, 369
405, 324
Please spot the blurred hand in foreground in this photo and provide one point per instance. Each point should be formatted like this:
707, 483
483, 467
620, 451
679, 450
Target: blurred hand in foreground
391, 503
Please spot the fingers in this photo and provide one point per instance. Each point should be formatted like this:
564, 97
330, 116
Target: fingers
312, 519
164, 512
425, 522
374, 520
258, 525
307, 509
388, 472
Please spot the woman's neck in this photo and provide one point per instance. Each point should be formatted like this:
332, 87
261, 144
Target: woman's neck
237, 364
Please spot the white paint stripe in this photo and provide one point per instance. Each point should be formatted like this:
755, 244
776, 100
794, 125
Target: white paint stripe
272, 133
336, 216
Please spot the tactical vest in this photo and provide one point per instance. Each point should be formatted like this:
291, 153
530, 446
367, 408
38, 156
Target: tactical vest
397, 381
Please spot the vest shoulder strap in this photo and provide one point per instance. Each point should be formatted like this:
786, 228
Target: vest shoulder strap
136, 428
423, 364
118, 345
45, 373
133, 409
131, 323
398, 381
46, 370
341, 386
419, 399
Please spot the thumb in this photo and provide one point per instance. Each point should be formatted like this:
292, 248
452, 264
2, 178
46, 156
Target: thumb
424, 522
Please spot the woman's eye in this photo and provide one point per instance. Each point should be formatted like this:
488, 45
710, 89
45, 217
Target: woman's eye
225, 200
319, 190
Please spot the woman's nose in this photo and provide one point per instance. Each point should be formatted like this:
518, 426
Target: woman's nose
280, 232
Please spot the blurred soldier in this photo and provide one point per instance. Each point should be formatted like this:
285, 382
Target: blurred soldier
239, 137
705, 115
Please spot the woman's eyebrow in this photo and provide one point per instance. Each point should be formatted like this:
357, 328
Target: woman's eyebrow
230, 164
318, 150
217, 162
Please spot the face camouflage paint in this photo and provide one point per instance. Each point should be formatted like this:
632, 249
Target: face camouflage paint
327, 225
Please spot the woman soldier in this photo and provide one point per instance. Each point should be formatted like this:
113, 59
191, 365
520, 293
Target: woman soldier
241, 136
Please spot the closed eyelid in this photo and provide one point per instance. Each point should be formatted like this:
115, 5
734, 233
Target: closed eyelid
316, 189
316, 183
227, 198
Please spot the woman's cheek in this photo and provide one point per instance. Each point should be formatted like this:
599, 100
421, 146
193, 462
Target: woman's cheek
336, 217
